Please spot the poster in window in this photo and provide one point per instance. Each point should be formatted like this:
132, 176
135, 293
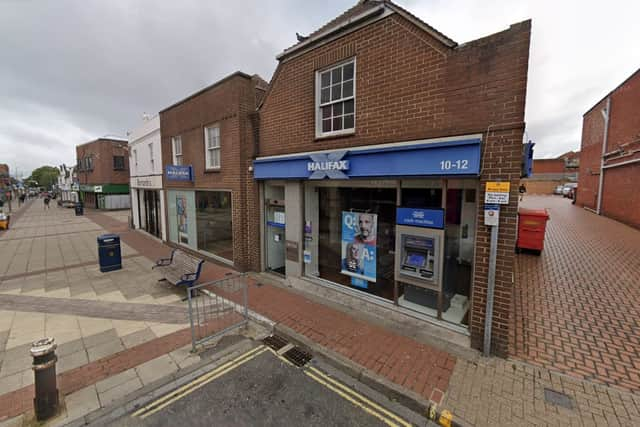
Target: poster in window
183, 223
359, 245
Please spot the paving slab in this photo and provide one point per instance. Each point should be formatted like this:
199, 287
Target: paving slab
156, 368
105, 349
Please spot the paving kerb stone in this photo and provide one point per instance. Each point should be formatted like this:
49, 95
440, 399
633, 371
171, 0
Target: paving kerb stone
163, 386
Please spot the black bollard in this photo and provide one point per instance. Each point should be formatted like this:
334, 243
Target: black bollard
44, 356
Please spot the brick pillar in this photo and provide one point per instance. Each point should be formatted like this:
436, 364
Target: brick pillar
502, 157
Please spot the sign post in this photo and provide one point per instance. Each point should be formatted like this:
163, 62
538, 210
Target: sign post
496, 194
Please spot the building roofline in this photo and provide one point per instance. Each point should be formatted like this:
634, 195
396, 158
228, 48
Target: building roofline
203, 90
611, 92
362, 17
112, 140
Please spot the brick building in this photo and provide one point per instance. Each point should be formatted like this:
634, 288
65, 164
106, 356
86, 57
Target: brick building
610, 160
103, 173
207, 142
547, 174
376, 123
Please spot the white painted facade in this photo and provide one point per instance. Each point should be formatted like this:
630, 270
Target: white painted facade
145, 165
68, 189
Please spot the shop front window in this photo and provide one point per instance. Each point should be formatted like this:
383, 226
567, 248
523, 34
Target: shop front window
214, 224
349, 237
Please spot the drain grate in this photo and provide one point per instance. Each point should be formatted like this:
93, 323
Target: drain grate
557, 398
297, 356
275, 342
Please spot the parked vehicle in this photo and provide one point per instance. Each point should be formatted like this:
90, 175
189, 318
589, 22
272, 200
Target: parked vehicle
566, 190
558, 189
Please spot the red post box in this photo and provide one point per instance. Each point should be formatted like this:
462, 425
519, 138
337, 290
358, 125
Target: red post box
532, 224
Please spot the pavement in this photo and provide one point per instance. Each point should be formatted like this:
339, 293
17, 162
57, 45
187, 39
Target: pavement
479, 391
577, 305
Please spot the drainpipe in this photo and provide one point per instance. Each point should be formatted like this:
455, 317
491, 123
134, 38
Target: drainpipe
606, 112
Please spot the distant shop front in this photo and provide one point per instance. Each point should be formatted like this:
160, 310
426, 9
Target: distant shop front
393, 223
148, 204
199, 218
105, 196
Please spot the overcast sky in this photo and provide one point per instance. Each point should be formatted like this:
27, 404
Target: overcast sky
74, 70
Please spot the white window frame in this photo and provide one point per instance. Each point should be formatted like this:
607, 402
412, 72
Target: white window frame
318, 104
208, 149
177, 156
135, 157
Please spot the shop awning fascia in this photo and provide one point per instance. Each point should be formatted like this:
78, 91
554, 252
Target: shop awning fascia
438, 157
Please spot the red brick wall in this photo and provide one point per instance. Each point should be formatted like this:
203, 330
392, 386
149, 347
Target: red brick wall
102, 151
590, 156
409, 86
619, 200
228, 104
548, 166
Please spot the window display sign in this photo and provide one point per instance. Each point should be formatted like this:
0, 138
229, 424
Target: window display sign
183, 221
428, 218
359, 245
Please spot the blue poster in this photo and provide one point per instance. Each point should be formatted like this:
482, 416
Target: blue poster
359, 232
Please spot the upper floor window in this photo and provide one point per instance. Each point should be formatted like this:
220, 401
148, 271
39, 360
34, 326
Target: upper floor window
212, 146
335, 99
135, 157
118, 163
176, 147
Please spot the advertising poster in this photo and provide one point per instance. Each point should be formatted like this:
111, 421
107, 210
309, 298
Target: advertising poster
183, 223
359, 245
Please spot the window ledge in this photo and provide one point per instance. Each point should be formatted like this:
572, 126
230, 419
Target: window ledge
335, 135
212, 170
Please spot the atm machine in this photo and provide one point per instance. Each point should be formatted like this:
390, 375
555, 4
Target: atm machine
419, 257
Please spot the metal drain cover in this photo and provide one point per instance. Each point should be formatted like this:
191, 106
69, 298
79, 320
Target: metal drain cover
275, 342
557, 398
297, 356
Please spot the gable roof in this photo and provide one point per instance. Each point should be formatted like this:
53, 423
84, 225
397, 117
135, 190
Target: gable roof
362, 11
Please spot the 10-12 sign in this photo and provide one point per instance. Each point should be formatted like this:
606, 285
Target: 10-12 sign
446, 165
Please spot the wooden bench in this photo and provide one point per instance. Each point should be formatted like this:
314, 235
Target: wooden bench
180, 269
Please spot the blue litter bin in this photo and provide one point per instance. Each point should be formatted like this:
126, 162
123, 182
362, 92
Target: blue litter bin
109, 253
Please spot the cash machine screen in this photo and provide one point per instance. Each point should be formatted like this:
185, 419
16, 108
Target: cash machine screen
415, 259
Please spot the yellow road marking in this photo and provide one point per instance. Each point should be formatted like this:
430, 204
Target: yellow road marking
352, 400
275, 353
245, 357
359, 396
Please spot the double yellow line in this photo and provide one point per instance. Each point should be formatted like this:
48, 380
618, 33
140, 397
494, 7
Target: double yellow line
199, 382
357, 399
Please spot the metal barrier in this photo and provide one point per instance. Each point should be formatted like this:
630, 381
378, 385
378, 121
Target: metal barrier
217, 307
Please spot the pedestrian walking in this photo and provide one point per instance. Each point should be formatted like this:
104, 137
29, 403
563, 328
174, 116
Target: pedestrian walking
46, 202
522, 189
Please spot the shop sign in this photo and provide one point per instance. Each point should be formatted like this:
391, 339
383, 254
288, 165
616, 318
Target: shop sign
330, 165
97, 189
497, 193
179, 173
426, 218
359, 231
460, 156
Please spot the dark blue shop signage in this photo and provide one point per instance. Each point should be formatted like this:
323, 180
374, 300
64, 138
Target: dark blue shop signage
426, 218
179, 173
458, 157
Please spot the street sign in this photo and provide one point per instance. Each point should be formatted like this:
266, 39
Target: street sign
491, 214
497, 193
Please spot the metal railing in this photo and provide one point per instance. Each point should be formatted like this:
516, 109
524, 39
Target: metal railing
217, 307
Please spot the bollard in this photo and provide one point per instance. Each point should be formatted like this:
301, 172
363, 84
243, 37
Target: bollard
44, 356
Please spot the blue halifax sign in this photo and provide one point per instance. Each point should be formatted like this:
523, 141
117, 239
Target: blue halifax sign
453, 156
426, 218
179, 173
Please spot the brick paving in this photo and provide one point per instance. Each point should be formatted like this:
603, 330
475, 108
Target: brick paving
577, 306
100, 309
